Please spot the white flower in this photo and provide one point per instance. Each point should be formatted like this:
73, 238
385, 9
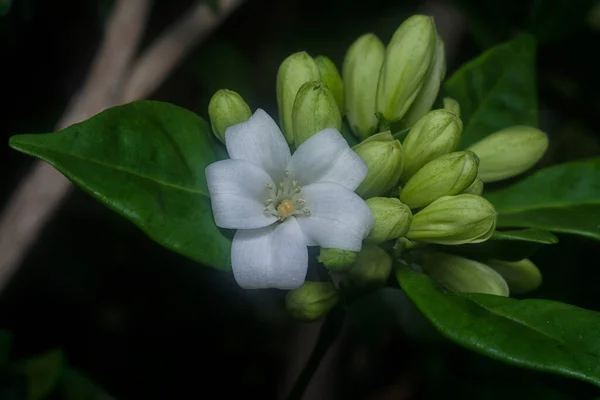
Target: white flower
281, 203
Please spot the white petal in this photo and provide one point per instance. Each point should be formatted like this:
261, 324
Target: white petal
326, 157
271, 257
238, 193
339, 218
259, 141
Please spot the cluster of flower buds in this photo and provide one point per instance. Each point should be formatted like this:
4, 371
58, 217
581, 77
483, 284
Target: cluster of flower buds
422, 190
310, 96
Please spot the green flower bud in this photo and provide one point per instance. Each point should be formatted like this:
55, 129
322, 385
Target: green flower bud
434, 135
463, 275
431, 87
452, 105
371, 270
336, 259
408, 58
330, 76
475, 188
311, 301
450, 220
227, 108
360, 73
392, 219
293, 72
522, 276
509, 152
385, 159
314, 110
445, 176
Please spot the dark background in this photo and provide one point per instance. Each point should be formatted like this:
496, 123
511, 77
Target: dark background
145, 323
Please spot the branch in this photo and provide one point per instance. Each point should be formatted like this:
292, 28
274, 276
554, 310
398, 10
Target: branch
153, 67
42, 190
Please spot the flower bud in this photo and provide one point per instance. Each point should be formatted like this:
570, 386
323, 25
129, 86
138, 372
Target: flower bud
452, 105
435, 134
360, 73
431, 87
385, 159
475, 188
463, 275
330, 76
522, 276
445, 176
227, 108
450, 220
293, 72
509, 152
371, 270
392, 219
311, 301
336, 259
408, 58
314, 110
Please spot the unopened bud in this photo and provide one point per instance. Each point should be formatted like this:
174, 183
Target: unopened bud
522, 276
475, 188
293, 72
431, 87
445, 176
408, 58
311, 301
360, 73
227, 108
463, 275
371, 270
336, 259
435, 134
314, 110
330, 76
509, 152
385, 159
452, 105
392, 219
451, 220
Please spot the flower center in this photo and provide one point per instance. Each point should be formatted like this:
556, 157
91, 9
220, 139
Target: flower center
286, 208
284, 199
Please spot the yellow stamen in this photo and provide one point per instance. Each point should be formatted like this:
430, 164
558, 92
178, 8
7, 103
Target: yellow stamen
285, 209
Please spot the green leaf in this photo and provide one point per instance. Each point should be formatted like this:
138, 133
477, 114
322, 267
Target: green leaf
42, 372
511, 245
496, 90
526, 235
145, 160
4, 7
76, 386
562, 198
538, 334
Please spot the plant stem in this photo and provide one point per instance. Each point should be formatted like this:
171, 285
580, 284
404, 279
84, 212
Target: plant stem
329, 332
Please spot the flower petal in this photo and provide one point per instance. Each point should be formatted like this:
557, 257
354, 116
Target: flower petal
338, 219
271, 257
326, 157
238, 193
259, 141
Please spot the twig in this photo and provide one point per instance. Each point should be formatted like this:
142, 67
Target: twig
152, 68
329, 332
43, 188
41, 191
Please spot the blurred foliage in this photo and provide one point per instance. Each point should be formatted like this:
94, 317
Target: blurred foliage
143, 322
